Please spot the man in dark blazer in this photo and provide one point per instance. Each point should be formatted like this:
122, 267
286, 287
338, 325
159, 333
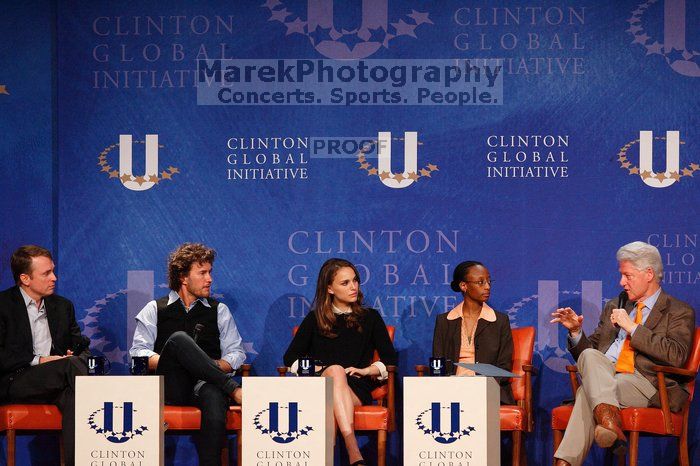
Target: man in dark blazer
38, 335
615, 361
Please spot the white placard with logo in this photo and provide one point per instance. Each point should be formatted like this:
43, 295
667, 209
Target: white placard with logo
451, 420
288, 420
119, 420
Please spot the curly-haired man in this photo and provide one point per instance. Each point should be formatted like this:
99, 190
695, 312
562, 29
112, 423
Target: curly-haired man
192, 340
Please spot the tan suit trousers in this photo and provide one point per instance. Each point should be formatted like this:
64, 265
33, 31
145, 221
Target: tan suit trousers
599, 384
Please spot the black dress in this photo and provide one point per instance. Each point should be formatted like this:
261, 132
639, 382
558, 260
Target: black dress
350, 348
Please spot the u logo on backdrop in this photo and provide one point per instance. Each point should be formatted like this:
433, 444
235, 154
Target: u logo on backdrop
125, 173
645, 170
374, 32
410, 172
680, 57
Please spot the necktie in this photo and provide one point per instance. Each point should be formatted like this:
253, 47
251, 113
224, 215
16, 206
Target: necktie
625, 362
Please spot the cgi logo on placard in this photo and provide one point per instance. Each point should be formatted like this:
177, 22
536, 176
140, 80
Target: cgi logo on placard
672, 14
645, 168
433, 426
125, 174
273, 429
374, 32
111, 430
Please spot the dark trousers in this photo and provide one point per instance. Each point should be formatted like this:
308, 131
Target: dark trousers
52, 382
184, 366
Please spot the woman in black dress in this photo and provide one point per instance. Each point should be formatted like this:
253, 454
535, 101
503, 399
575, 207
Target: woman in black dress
342, 337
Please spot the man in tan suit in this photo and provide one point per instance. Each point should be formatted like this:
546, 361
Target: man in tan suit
615, 361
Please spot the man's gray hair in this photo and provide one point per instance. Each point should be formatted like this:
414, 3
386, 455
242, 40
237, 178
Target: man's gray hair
642, 256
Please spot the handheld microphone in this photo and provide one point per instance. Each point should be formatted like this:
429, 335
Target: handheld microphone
197, 329
621, 302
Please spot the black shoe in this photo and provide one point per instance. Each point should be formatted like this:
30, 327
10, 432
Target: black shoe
358, 463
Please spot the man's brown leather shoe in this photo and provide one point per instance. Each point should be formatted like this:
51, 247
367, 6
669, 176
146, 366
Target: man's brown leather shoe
608, 431
561, 462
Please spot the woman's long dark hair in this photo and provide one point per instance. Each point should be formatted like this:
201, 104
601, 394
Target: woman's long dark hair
323, 301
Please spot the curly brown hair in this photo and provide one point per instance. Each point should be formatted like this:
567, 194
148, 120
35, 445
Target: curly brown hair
181, 260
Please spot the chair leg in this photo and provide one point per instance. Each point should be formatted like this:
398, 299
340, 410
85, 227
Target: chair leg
634, 448
224, 454
61, 450
517, 444
381, 448
11, 438
683, 458
558, 436
523, 454
239, 447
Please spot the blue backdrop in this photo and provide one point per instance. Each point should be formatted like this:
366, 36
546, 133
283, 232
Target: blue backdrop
542, 185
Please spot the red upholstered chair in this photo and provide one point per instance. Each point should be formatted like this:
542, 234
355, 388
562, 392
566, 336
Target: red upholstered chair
185, 419
648, 421
33, 418
380, 417
516, 418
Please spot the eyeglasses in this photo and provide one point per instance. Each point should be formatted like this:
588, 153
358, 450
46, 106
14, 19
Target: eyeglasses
480, 282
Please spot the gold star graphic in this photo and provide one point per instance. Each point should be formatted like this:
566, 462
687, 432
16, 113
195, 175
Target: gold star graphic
384, 175
361, 158
102, 157
125, 177
102, 163
413, 176
634, 171
645, 174
687, 172
364, 165
399, 177
173, 170
425, 172
675, 176
695, 166
154, 179
3, 89
165, 175
106, 168
660, 176
114, 174
140, 180
371, 171
626, 164
433, 168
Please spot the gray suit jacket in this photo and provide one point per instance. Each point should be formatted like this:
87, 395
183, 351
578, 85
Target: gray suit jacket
664, 339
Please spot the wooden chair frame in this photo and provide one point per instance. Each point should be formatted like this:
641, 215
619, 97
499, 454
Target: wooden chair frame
689, 372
